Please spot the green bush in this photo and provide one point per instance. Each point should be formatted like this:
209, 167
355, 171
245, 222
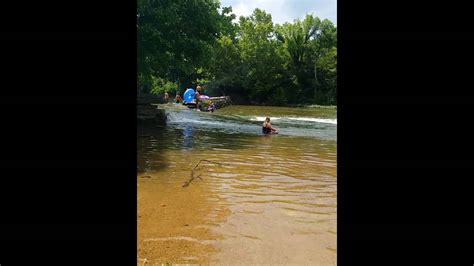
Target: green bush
278, 97
204, 104
160, 86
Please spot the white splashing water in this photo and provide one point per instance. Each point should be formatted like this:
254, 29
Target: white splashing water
290, 126
318, 120
307, 119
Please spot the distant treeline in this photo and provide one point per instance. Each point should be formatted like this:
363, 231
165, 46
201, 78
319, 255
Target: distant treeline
254, 61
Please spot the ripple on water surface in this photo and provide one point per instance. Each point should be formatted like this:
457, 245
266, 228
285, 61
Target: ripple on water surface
270, 200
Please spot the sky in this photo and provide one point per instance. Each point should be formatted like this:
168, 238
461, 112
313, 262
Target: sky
285, 10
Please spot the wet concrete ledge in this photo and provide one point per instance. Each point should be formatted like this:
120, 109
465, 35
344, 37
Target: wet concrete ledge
221, 101
147, 112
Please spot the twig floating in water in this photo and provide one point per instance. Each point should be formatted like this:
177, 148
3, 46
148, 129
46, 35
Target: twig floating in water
199, 176
191, 179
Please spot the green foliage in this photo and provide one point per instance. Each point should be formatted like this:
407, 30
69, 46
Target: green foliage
253, 61
160, 86
259, 58
278, 97
310, 47
175, 38
326, 65
204, 104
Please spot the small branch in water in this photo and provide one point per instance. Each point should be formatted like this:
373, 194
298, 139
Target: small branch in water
199, 176
191, 179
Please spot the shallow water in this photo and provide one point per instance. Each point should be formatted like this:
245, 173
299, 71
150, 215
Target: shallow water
261, 199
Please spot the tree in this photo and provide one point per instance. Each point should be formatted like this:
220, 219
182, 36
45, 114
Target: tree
260, 62
296, 39
254, 61
325, 62
175, 38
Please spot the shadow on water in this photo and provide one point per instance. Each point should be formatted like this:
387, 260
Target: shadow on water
154, 140
150, 154
188, 137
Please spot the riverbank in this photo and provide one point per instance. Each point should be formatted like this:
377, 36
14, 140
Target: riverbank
293, 105
318, 106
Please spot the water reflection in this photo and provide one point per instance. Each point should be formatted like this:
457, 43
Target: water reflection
188, 139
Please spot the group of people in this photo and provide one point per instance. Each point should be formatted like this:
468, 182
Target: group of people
179, 99
267, 127
199, 97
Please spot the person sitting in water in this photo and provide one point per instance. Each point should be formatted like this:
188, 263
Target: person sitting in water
267, 127
211, 107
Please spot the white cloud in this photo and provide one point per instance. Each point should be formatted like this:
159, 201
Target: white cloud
285, 10
241, 9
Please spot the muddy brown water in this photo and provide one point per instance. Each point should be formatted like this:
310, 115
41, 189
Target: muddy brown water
260, 199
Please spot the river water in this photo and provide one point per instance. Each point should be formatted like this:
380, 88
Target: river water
258, 199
